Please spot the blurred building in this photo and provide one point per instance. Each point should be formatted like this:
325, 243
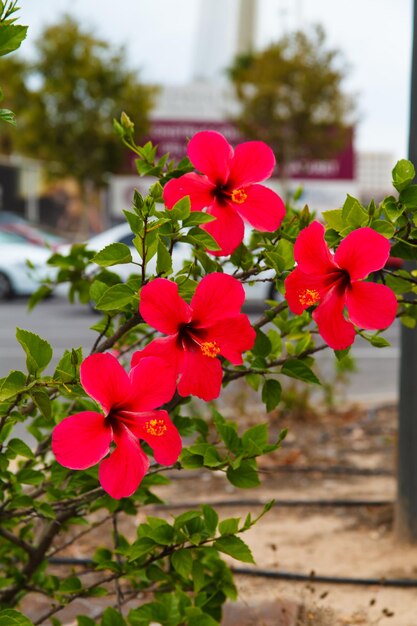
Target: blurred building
183, 110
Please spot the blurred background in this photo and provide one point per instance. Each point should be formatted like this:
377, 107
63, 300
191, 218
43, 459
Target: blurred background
325, 83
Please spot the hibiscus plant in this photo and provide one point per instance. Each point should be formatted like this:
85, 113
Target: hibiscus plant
115, 426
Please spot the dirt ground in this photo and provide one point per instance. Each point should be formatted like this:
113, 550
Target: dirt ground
339, 455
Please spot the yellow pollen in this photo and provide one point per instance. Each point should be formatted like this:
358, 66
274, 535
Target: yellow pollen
155, 427
210, 348
307, 297
239, 196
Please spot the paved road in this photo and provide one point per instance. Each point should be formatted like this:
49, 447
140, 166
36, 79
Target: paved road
65, 325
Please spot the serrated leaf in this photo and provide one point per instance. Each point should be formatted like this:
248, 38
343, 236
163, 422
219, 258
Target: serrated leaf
201, 237
163, 260
182, 562
229, 526
297, 369
115, 297
245, 476
38, 351
113, 254
211, 518
196, 217
271, 394
10, 617
11, 36
20, 448
383, 228
8, 116
13, 384
181, 209
403, 174
262, 346
353, 214
111, 617
42, 401
234, 547
334, 219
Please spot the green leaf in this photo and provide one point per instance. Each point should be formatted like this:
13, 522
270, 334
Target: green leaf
82, 620
13, 384
142, 546
42, 401
403, 174
11, 36
66, 369
334, 219
229, 526
211, 518
202, 238
234, 547
163, 260
245, 476
20, 448
262, 346
10, 617
8, 116
111, 617
383, 228
297, 369
115, 297
70, 585
353, 213
379, 342
256, 436
182, 562
113, 254
196, 217
271, 394
408, 197
181, 209
38, 350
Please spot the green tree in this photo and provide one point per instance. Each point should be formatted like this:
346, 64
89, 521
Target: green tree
66, 101
291, 97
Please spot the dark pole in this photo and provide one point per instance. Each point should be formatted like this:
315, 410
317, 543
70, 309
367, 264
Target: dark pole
406, 507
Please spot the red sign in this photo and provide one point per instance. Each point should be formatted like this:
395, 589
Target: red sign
173, 135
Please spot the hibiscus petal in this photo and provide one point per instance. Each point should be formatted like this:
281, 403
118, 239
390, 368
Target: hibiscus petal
211, 153
201, 376
263, 208
153, 382
105, 380
81, 440
160, 433
363, 251
253, 162
120, 475
233, 336
166, 348
303, 290
336, 331
370, 305
312, 252
227, 229
162, 307
217, 297
198, 187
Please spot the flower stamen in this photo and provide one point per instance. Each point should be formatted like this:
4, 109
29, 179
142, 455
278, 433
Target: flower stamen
307, 297
239, 196
155, 427
210, 349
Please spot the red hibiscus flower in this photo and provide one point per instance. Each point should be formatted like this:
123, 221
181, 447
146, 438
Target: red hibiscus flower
211, 325
226, 188
84, 439
336, 281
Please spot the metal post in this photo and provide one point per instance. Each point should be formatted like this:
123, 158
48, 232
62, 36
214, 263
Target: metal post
406, 506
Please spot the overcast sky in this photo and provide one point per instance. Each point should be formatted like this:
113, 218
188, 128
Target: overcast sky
164, 39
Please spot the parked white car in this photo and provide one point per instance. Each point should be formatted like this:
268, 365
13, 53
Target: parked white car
16, 278
256, 293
